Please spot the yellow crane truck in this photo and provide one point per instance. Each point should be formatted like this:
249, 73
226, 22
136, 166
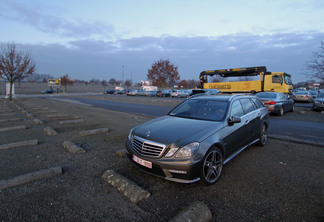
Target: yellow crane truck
266, 81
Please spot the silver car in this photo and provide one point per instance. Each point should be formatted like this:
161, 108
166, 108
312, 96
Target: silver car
302, 96
318, 103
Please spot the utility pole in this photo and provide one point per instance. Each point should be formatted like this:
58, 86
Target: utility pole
123, 75
132, 77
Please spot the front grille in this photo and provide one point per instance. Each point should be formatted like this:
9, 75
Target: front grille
148, 148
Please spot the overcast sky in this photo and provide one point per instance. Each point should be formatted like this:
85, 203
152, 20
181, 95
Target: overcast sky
96, 39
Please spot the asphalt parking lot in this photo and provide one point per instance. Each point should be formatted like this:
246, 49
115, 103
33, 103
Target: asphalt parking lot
282, 181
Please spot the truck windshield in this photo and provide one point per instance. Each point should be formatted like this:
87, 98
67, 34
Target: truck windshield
288, 80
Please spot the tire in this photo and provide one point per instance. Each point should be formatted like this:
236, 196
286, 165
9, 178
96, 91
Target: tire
212, 166
292, 108
263, 137
281, 111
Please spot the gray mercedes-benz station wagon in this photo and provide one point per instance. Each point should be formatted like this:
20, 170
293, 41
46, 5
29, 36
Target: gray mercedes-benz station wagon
198, 137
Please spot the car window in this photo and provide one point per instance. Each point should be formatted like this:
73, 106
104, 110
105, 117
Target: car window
247, 105
237, 109
284, 97
257, 103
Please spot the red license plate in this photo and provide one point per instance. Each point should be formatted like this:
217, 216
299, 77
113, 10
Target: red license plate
142, 162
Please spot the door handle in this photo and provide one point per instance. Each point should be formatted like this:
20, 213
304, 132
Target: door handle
246, 122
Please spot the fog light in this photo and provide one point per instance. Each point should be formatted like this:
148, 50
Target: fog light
178, 171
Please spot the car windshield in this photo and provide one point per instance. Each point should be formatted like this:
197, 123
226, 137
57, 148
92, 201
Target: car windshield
202, 109
321, 95
301, 93
266, 95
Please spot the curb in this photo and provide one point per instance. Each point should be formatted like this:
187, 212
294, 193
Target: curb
197, 211
295, 140
128, 188
19, 144
72, 147
13, 128
30, 177
49, 131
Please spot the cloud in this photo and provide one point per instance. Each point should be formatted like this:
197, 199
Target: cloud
53, 23
87, 59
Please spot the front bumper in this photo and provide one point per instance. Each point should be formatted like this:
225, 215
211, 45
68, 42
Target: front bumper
181, 171
318, 105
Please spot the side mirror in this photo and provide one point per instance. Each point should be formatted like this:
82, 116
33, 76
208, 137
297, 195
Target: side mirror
234, 119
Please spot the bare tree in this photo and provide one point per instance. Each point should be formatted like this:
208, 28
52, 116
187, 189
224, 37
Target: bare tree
184, 84
65, 81
316, 64
128, 83
15, 65
163, 73
193, 83
112, 81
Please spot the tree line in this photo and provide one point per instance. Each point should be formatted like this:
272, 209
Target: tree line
17, 65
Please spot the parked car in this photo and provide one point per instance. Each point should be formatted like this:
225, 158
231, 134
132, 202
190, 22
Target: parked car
174, 93
276, 102
184, 93
314, 94
150, 93
302, 96
164, 93
110, 91
119, 92
140, 93
318, 103
131, 93
205, 91
180, 93
135, 93
195, 139
48, 91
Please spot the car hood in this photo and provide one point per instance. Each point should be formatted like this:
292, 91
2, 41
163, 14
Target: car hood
176, 130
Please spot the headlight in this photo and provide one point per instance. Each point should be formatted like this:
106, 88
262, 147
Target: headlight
317, 102
188, 150
130, 135
185, 151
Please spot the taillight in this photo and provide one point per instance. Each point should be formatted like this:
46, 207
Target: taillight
306, 96
271, 103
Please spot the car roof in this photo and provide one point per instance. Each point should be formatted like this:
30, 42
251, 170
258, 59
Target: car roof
222, 97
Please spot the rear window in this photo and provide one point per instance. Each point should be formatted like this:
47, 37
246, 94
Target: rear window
301, 93
266, 95
257, 103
